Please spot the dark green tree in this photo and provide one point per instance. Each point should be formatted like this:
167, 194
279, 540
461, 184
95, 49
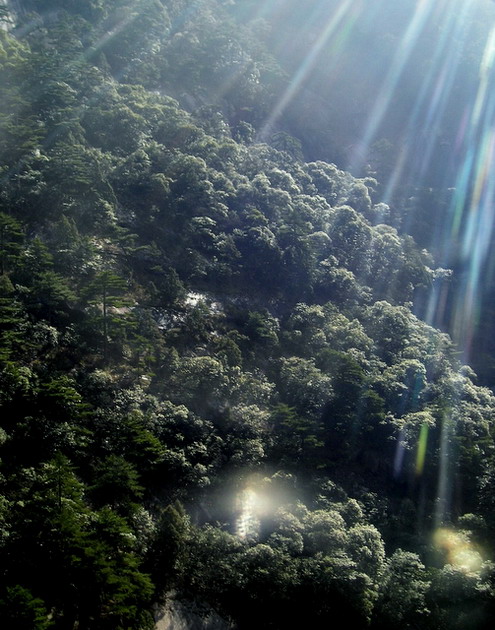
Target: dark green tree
19, 610
11, 241
106, 292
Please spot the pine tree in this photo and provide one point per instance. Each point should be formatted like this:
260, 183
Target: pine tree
11, 237
106, 292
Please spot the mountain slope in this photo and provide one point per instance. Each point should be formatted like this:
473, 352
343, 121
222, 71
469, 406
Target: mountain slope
213, 379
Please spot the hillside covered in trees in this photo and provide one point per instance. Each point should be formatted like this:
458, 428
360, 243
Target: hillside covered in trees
216, 388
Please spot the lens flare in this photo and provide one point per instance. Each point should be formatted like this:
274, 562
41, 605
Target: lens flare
392, 78
444, 492
253, 503
459, 551
421, 453
338, 28
248, 522
258, 499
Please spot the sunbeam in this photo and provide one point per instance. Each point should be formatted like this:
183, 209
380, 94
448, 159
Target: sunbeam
247, 298
339, 28
391, 80
468, 234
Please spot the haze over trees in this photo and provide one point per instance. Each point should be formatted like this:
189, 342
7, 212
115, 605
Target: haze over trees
215, 384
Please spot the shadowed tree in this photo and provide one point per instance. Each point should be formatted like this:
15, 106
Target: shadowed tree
106, 292
11, 238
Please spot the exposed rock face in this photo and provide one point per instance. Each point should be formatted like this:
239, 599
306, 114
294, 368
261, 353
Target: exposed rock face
186, 615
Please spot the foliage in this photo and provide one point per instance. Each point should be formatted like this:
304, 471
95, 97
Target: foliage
190, 316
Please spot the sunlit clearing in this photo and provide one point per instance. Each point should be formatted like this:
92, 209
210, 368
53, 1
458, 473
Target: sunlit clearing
459, 551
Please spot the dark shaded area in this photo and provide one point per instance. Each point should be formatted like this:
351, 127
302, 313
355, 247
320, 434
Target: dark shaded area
214, 382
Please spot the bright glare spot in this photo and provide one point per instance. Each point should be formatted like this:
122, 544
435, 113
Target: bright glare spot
467, 559
252, 504
247, 522
459, 550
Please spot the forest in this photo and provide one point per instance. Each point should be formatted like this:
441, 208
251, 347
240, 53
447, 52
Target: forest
240, 377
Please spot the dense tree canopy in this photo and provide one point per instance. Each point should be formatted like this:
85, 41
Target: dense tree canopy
214, 384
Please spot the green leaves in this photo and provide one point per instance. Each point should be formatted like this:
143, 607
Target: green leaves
107, 293
20, 610
179, 311
11, 240
94, 567
298, 443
